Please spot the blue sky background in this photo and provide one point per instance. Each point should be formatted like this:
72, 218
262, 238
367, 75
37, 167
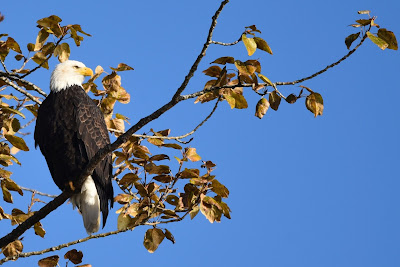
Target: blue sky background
304, 191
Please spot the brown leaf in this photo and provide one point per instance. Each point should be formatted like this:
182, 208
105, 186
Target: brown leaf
274, 100
74, 256
189, 173
382, 44
41, 39
152, 168
16, 141
224, 60
389, 38
213, 71
122, 67
291, 99
194, 212
169, 236
175, 146
13, 45
207, 97
153, 239
123, 198
261, 108
192, 155
250, 44
51, 261
40, 59
245, 69
128, 180
62, 51
13, 248
49, 21
262, 44
39, 229
315, 104
172, 200
350, 39
124, 222
219, 189
163, 178
159, 157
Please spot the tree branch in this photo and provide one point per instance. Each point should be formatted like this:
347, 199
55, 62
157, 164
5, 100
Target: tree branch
22, 91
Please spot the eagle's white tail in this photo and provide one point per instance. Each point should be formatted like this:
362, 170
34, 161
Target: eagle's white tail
88, 203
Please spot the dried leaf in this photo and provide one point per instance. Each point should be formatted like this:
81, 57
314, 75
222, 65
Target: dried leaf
124, 222
315, 104
122, 67
51, 261
192, 155
363, 12
219, 189
74, 256
163, 178
13, 45
213, 71
261, 108
40, 59
175, 146
224, 60
62, 51
169, 236
123, 198
274, 100
262, 44
152, 168
41, 39
250, 44
153, 239
172, 200
350, 39
194, 212
291, 99
16, 141
39, 229
245, 69
13, 248
389, 38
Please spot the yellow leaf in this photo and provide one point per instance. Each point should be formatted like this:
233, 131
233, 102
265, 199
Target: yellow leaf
16, 141
41, 39
39, 229
274, 100
62, 51
13, 45
74, 256
315, 103
262, 107
250, 44
265, 79
153, 239
122, 67
192, 155
40, 59
262, 44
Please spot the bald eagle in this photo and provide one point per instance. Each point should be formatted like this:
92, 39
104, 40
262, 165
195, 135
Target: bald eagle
69, 130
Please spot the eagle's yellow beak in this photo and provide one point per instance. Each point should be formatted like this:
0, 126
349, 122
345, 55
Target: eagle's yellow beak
86, 71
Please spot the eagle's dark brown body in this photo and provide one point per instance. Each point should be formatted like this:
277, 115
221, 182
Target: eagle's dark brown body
70, 129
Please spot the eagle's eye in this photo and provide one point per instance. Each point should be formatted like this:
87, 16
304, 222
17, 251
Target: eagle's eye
76, 67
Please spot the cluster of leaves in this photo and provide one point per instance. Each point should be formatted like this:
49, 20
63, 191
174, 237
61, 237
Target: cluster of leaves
150, 190
383, 38
74, 256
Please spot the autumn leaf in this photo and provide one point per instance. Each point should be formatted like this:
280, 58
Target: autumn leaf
224, 60
315, 103
262, 44
122, 67
153, 239
192, 155
74, 256
16, 141
261, 108
51, 261
350, 39
250, 44
274, 100
382, 44
62, 51
389, 38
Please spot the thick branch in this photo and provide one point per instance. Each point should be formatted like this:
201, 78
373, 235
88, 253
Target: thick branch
101, 154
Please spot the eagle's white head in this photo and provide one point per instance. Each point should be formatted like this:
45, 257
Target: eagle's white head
68, 73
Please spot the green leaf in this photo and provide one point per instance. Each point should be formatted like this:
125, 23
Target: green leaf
261, 108
315, 103
378, 41
250, 44
262, 44
274, 100
350, 39
389, 38
153, 239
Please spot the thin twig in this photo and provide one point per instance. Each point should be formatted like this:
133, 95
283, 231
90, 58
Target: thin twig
19, 89
37, 192
16, 78
329, 66
4, 66
227, 44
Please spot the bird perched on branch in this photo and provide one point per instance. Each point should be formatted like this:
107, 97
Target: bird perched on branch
69, 130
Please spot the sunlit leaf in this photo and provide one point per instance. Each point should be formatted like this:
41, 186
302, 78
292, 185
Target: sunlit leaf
41, 39
389, 38
153, 239
378, 41
219, 189
175, 146
40, 59
224, 60
16, 141
49, 21
192, 155
274, 100
74, 256
194, 212
13, 249
262, 44
315, 103
364, 22
13, 45
123, 221
350, 39
62, 51
123, 198
39, 229
363, 12
250, 44
213, 71
246, 69
122, 67
51, 261
265, 79
261, 108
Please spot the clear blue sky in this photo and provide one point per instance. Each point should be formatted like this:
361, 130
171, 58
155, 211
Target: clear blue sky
305, 191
